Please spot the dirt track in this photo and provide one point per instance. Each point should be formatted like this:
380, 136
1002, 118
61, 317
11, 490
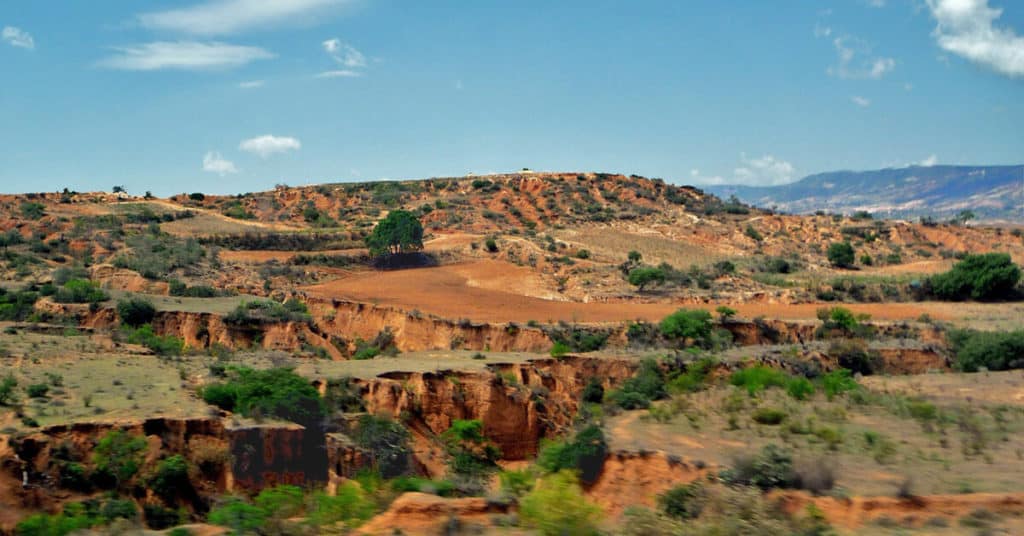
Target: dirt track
494, 291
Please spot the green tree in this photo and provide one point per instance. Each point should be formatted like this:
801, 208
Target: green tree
119, 455
399, 232
980, 277
646, 275
557, 507
7, 386
136, 311
388, 442
841, 255
687, 324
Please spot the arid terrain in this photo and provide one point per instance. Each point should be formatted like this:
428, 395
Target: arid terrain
600, 352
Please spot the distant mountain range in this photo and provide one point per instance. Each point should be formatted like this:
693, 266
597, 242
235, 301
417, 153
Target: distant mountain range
993, 193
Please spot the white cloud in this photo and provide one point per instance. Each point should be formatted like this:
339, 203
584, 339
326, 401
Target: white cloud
966, 28
853, 61
219, 17
213, 162
18, 38
184, 55
343, 53
861, 101
251, 84
340, 73
267, 145
929, 162
822, 31
697, 178
766, 171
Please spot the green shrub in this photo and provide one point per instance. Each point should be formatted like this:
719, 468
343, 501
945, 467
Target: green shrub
473, 457
841, 255
559, 349
981, 277
992, 350
838, 382
119, 455
516, 483
557, 507
136, 311
388, 443
684, 502
31, 210
769, 469
238, 515
7, 387
37, 390
753, 233
349, 505
442, 488
800, 388
80, 291
593, 392
757, 378
171, 478
584, 453
637, 392
277, 392
695, 376
281, 502
160, 344
769, 416
687, 324
645, 276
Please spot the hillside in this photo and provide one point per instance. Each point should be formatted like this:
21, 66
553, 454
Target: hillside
993, 193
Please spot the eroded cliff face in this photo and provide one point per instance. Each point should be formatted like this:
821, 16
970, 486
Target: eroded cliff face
637, 478
414, 331
518, 403
227, 457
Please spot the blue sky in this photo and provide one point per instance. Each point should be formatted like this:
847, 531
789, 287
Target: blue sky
231, 96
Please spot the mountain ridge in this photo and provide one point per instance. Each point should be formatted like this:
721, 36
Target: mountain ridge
992, 193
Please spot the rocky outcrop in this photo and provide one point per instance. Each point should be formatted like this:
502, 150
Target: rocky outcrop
416, 331
114, 278
518, 403
420, 513
637, 478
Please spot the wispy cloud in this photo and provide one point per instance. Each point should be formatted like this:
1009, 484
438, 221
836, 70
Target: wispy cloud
875, 3
339, 73
967, 28
182, 55
854, 61
213, 162
251, 84
221, 17
861, 101
766, 170
930, 161
269, 144
344, 53
17, 37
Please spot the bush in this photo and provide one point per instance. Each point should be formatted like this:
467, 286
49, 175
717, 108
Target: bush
160, 344
559, 349
687, 324
473, 458
771, 468
769, 416
37, 390
838, 382
854, 355
684, 501
800, 388
80, 291
119, 455
557, 507
136, 311
388, 443
277, 392
757, 378
992, 350
171, 478
593, 392
646, 275
7, 386
637, 392
841, 255
238, 515
981, 277
585, 454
